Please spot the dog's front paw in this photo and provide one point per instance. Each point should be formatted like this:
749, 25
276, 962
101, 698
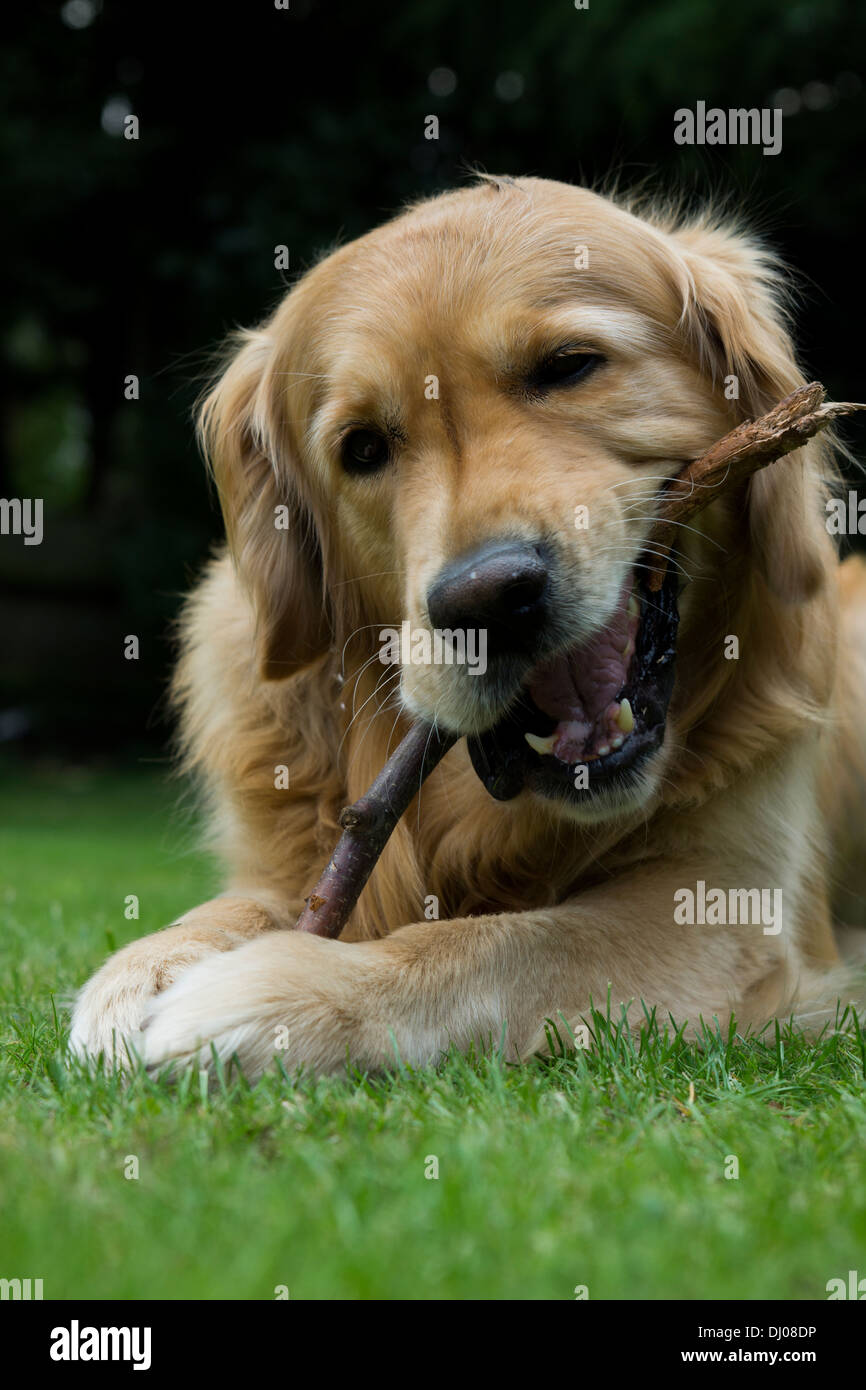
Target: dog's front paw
110, 1008
290, 997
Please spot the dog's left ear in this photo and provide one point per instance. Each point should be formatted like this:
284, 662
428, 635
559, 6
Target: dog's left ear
270, 527
738, 328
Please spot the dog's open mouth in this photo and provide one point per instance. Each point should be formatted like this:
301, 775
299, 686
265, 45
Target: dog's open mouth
587, 718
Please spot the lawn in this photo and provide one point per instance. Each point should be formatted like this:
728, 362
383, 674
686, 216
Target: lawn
605, 1169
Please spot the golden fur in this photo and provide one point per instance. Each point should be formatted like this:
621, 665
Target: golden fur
760, 780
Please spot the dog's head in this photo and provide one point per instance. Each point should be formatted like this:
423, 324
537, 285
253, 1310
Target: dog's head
448, 443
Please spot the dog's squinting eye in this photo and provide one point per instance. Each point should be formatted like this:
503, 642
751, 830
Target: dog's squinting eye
563, 368
364, 451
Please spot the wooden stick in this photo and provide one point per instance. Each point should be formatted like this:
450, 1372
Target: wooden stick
366, 827
730, 462
733, 459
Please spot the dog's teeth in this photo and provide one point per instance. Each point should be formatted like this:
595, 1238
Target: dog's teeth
618, 741
633, 607
628, 648
540, 745
625, 718
604, 750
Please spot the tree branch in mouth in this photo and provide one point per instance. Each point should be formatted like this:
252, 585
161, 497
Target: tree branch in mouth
731, 461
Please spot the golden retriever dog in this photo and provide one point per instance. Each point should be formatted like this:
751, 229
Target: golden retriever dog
462, 422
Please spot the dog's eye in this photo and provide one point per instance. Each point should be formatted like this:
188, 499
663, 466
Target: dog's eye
562, 368
364, 451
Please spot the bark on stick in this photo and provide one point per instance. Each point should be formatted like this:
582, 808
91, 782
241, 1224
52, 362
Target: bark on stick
734, 458
367, 824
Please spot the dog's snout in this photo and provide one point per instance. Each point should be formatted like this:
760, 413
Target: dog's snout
501, 588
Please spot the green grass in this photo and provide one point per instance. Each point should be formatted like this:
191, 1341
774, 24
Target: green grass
604, 1169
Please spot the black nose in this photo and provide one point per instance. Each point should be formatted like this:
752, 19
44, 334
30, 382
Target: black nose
502, 588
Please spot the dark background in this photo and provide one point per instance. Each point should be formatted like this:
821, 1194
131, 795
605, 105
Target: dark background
261, 127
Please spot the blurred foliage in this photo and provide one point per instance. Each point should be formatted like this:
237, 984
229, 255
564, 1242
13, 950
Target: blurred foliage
262, 127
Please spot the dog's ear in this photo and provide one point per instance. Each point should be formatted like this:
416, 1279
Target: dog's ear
270, 528
738, 326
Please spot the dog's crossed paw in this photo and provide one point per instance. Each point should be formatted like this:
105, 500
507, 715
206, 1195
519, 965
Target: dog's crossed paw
110, 1009
287, 998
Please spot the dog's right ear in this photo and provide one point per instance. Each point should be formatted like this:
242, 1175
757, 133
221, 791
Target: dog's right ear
271, 531
736, 323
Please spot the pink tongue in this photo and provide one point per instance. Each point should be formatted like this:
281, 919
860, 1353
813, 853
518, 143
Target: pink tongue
578, 688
